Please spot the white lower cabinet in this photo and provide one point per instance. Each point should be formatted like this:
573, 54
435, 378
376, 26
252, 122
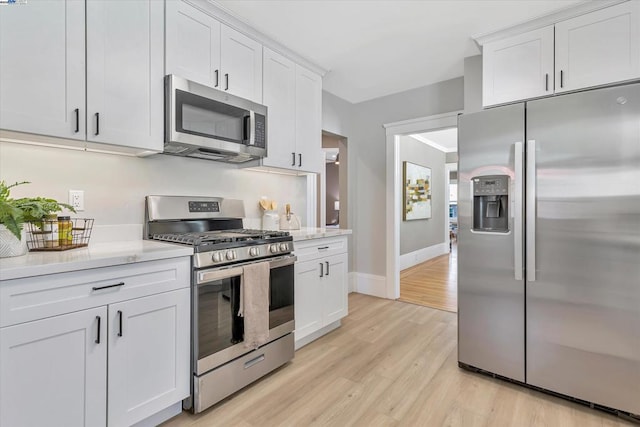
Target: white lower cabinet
134, 341
149, 347
321, 287
54, 371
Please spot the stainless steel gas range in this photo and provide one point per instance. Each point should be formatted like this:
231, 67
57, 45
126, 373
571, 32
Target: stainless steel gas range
221, 364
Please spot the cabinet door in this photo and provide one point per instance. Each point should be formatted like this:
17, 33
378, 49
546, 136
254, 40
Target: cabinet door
309, 120
125, 73
149, 347
598, 48
280, 99
518, 67
54, 371
193, 44
42, 74
307, 298
241, 60
335, 288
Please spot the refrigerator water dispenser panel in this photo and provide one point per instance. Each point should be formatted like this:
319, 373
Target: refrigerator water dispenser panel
491, 203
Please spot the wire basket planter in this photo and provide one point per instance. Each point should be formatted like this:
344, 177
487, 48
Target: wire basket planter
59, 234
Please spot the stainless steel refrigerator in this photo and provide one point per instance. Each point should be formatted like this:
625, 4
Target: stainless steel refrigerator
549, 244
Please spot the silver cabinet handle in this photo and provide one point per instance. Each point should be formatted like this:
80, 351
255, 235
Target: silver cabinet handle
321, 270
517, 215
226, 81
561, 78
327, 262
546, 82
531, 211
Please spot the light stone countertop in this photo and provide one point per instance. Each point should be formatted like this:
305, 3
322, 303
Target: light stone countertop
308, 233
93, 256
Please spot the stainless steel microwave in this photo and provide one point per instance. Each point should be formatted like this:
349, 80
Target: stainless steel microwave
211, 124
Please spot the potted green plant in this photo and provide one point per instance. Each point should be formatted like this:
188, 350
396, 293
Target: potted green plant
15, 212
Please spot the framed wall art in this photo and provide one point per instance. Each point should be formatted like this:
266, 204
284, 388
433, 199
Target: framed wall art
417, 192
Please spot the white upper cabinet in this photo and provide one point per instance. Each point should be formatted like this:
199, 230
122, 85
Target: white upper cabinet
193, 44
598, 48
293, 96
280, 99
125, 73
42, 68
241, 62
593, 49
202, 49
308, 120
518, 67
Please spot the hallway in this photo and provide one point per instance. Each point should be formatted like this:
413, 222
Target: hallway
433, 283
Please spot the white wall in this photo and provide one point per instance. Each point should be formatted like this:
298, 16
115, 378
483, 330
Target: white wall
363, 124
115, 186
423, 233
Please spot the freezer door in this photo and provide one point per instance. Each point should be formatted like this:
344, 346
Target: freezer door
583, 303
490, 284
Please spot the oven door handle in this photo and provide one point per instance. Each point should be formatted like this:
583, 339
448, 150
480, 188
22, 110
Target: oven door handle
225, 273
211, 275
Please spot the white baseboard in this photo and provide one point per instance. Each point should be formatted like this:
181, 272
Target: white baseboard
370, 285
352, 281
421, 255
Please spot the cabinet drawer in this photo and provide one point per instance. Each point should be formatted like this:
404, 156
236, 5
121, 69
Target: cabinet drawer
32, 298
320, 248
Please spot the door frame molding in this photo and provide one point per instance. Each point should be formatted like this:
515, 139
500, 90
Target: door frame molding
393, 179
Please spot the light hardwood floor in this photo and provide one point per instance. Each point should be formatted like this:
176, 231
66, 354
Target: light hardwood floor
390, 364
433, 283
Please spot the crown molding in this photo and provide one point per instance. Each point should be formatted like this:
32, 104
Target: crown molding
219, 12
544, 20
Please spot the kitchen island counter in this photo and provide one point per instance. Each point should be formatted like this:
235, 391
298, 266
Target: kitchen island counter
93, 256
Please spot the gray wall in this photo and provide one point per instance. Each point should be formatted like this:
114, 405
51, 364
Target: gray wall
115, 186
473, 84
451, 157
363, 124
422, 233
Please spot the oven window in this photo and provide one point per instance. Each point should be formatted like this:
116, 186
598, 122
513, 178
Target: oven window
281, 292
202, 116
219, 326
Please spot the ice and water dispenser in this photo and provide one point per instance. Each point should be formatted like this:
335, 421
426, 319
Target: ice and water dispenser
491, 203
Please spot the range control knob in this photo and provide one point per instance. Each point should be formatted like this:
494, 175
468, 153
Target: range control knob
284, 247
254, 251
274, 249
216, 257
231, 255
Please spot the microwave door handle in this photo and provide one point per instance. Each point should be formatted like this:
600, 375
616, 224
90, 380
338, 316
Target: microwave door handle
252, 128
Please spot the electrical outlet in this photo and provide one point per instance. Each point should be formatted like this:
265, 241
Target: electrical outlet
76, 199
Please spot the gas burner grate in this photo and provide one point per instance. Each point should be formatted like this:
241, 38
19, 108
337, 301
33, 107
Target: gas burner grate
220, 236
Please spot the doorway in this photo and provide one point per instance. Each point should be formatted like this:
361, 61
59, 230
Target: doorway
433, 268
332, 203
428, 277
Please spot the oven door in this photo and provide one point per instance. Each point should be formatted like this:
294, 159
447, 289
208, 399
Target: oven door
217, 328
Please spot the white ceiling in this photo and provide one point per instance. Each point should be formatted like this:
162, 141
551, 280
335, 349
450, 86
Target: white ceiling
444, 140
376, 48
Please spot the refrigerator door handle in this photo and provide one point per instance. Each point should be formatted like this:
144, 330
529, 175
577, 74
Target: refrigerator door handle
531, 211
517, 219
